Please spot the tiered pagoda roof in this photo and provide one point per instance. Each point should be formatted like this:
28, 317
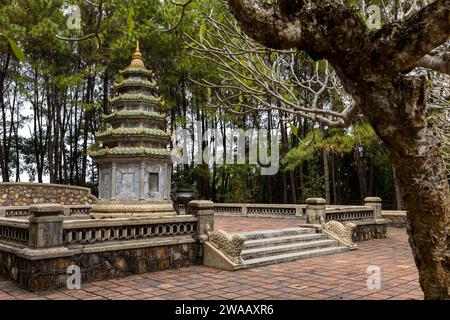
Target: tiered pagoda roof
135, 128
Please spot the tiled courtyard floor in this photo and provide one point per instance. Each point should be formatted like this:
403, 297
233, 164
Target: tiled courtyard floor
340, 276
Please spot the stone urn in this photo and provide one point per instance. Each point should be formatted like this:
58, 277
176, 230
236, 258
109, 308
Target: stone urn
181, 196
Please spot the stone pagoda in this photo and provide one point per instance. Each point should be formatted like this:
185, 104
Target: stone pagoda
134, 163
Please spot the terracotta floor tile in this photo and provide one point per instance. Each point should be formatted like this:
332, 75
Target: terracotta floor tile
341, 276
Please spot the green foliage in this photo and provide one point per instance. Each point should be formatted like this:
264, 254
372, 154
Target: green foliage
339, 141
241, 189
130, 21
56, 77
313, 182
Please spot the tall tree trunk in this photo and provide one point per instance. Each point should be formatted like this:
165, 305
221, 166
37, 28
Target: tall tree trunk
105, 91
269, 182
87, 122
293, 186
326, 176
37, 129
4, 146
301, 179
49, 133
284, 187
398, 194
360, 172
370, 191
16, 135
333, 179
414, 148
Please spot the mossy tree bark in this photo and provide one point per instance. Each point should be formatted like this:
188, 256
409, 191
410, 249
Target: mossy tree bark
374, 67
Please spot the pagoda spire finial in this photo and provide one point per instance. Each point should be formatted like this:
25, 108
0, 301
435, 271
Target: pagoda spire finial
137, 57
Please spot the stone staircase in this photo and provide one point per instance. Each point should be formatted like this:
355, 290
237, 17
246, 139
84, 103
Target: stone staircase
276, 246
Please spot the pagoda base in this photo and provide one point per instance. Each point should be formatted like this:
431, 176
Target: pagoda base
109, 210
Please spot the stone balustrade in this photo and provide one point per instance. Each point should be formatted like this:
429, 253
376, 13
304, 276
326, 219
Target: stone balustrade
15, 211
14, 231
396, 219
92, 231
36, 251
349, 213
259, 210
78, 210
24, 211
368, 218
370, 210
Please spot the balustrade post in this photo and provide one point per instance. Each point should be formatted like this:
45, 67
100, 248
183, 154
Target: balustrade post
204, 211
376, 204
46, 226
315, 209
244, 210
298, 211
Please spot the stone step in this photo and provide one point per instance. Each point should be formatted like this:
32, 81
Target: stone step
287, 248
293, 256
262, 234
267, 242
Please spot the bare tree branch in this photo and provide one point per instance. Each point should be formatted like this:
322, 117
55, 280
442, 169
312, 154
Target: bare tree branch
183, 6
248, 70
265, 24
439, 64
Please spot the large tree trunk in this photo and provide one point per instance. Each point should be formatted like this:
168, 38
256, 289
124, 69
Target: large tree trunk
426, 193
374, 67
395, 105
414, 149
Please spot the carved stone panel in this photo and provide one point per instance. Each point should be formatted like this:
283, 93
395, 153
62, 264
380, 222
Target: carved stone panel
127, 181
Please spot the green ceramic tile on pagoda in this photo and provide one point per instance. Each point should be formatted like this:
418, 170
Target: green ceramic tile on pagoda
130, 114
130, 151
133, 132
137, 98
136, 83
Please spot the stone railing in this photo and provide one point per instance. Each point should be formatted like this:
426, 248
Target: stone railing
15, 211
396, 219
349, 213
36, 251
14, 231
89, 231
24, 211
259, 210
316, 209
78, 210
28, 193
92, 231
367, 218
